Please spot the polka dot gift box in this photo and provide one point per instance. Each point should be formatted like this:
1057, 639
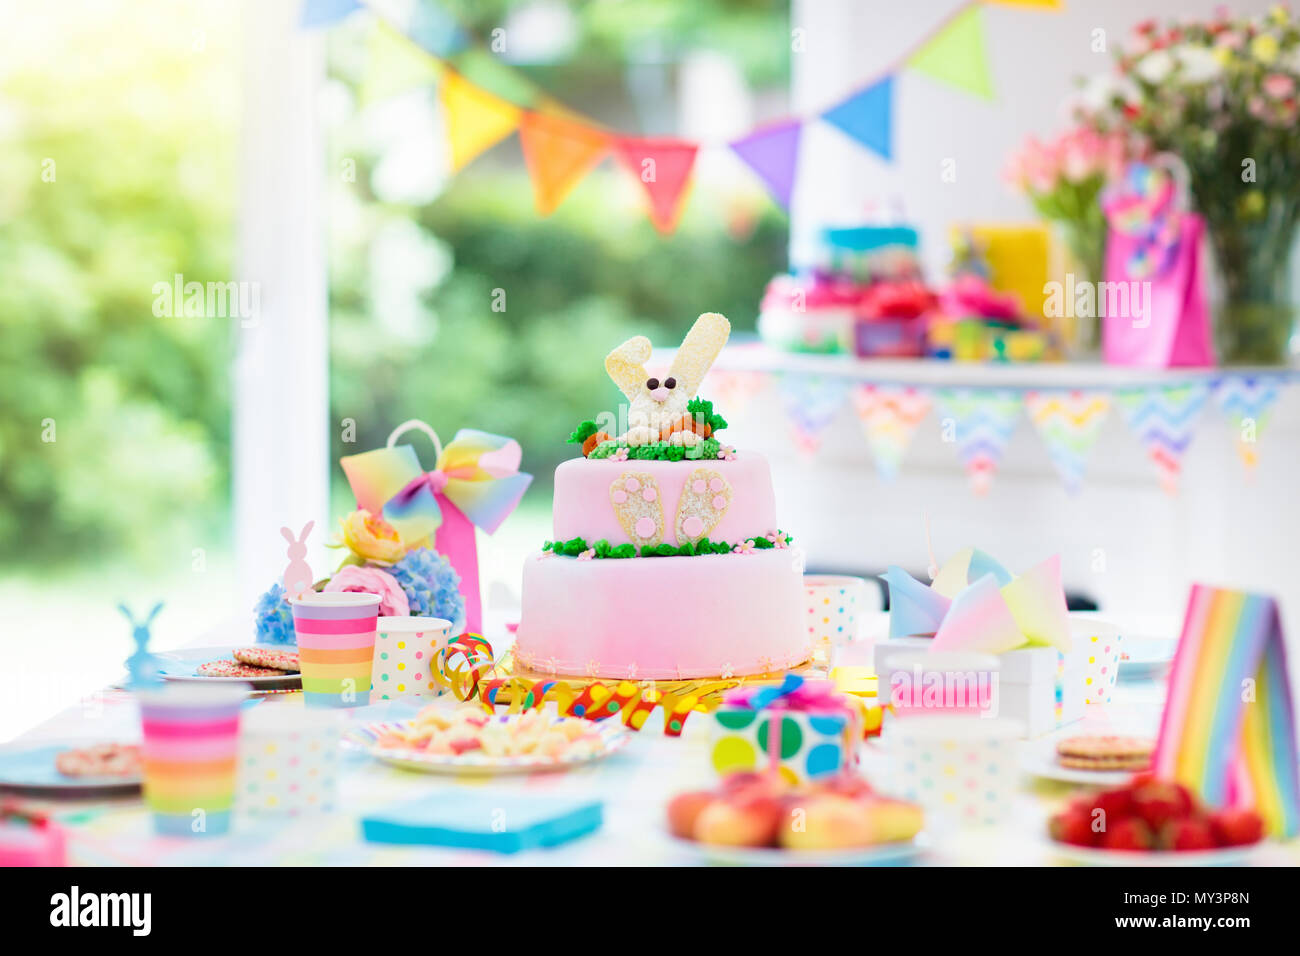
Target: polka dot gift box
804, 730
404, 651
963, 769
288, 761
835, 604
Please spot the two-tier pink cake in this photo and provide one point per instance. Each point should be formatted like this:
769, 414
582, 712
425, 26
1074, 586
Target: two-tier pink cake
667, 563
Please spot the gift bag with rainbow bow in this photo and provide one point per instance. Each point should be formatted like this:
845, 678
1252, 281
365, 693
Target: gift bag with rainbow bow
803, 730
475, 482
1153, 257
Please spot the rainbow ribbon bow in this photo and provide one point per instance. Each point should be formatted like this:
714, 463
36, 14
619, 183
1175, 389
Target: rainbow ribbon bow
477, 472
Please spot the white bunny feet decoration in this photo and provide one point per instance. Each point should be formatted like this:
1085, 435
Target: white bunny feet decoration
658, 406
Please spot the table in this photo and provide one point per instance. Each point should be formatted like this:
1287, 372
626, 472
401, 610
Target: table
634, 784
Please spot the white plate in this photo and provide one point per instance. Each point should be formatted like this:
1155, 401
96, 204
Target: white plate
1146, 657
1040, 761
1093, 856
180, 665
884, 854
613, 736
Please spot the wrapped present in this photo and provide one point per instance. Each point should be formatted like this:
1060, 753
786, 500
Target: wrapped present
30, 838
803, 730
475, 482
975, 606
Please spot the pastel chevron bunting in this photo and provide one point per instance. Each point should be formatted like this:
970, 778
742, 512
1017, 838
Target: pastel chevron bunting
1164, 421
811, 402
956, 55
1247, 402
867, 117
1068, 423
982, 421
773, 153
889, 416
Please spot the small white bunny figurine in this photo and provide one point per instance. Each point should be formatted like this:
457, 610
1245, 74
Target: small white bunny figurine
297, 576
658, 405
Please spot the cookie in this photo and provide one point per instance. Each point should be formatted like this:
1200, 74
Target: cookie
235, 669
635, 499
99, 760
276, 658
1105, 752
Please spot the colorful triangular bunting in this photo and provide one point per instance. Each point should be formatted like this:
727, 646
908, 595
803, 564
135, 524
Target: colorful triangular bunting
558, 153
396, 65
1068, 423
956, 55
1247, 402
867, 116
982, 421
773, 153
476, 119
323, 13
889, 417
436, 30
811, 402
663, 167
1164, 421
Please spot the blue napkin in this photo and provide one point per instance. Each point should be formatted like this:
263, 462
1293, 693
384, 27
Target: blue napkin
484, 820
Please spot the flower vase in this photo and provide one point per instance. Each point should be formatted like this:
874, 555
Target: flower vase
1256, 321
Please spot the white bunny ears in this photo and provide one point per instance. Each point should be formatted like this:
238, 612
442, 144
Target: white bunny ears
626, 364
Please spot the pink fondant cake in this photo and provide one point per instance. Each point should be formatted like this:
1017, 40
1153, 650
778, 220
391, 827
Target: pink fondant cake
668, 563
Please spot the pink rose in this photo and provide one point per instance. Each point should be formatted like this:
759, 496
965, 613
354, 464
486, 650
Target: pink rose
392, 599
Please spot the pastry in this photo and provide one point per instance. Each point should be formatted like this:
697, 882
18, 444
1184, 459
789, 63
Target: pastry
235, 669
1105, 752
280, 659
100, 760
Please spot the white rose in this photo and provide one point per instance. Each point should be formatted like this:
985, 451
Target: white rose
1098, 91
1197, 64
1156, 66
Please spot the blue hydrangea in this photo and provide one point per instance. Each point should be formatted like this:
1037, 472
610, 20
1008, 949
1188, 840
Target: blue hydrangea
274, 618
432, 586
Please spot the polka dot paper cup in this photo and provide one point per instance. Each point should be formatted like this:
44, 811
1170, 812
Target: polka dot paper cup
1099, 642
288, 762
963, 770
404, 652
835, 604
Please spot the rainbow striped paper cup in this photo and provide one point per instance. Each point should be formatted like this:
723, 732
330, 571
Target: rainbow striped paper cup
336, 646
190, 753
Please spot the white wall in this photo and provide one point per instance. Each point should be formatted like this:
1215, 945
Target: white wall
1034, 56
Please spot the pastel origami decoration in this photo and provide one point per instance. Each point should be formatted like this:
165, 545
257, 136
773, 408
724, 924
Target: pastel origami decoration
974, 604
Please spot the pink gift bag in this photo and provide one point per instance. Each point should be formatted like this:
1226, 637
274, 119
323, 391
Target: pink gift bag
1155, 249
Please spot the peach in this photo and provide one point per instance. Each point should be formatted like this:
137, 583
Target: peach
739, 822
684, 810
826, 821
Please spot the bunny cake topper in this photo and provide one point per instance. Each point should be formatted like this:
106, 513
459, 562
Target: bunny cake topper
297, 575
659, 407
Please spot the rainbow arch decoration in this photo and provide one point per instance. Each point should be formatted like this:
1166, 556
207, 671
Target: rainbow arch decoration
1228, 728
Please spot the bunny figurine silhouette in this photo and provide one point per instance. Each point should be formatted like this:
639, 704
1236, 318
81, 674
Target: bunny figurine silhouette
297, 576
658, 406
144, 668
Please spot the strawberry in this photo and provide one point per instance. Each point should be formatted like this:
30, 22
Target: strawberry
1129, 834
1192, 833
1072, 826
1115, 804
1157, 802
1236, 826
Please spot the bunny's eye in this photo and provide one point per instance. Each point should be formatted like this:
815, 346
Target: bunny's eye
670, 383
652, 383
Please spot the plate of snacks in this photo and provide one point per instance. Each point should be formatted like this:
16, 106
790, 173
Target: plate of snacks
753, 819
470, 740
262, 665
1099, 760
72, 767
1151, 822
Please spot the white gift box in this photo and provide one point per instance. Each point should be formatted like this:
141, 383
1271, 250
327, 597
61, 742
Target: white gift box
1039, 687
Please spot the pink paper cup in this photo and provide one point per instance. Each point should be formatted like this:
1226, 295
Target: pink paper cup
190, 751
336, 646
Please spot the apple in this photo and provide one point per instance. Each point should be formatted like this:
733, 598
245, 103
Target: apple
684, 810
751, 821
826, 821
